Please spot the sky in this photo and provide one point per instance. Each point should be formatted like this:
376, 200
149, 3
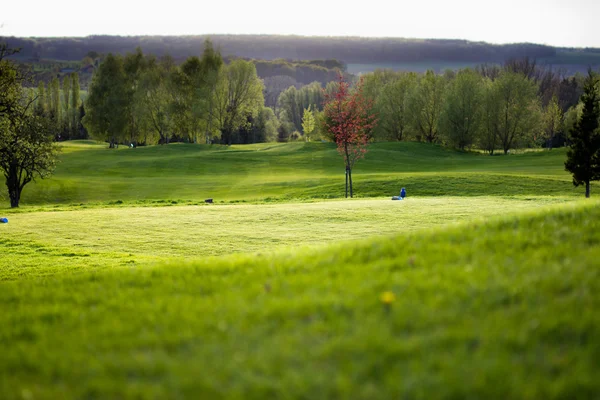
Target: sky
565, 23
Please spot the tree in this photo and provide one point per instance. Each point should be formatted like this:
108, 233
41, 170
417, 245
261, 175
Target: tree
74, 100
308, 123
237, 96
553, 121
194, 87
40, 103
54, 109
488, 136
155, 99
392, 106
66, 88
583, 156
26, 141
349, 118
426, 103
106, 104
461, 116
211, 62
519, 109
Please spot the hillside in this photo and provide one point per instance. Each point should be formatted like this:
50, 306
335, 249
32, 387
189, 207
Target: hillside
89, 172
399, 53
493, 310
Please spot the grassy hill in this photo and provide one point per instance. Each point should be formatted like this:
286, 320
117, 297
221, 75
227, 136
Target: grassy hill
501, 309
91, 173
118, 281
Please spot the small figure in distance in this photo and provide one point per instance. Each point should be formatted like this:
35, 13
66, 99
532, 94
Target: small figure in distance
402, 194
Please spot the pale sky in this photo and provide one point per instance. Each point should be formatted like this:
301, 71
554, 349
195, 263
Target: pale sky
572, 23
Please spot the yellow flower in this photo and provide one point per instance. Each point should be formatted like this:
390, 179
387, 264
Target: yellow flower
387, 297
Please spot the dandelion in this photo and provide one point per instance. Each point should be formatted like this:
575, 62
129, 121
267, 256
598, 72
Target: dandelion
387, 298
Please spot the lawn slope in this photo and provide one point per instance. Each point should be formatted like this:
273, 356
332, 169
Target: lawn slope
79, 239
90, 173
508, 308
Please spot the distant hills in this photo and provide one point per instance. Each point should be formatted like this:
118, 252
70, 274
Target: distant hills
358, 53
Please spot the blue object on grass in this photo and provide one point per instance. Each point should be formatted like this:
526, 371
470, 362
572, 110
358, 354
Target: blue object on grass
403, 193
4, 220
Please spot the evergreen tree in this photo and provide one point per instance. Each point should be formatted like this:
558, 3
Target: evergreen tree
66, 115
40, 104
54, 109
583, 156
75, 120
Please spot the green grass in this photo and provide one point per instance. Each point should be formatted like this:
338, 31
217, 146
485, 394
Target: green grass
46, 243
118, 281
501, 309
90, 173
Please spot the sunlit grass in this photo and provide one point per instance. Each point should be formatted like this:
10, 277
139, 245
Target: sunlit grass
496, 310
45, 243
90, 173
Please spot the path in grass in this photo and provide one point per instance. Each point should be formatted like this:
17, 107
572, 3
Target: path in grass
42, 243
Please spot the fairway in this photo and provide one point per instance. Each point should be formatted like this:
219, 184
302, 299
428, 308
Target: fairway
117, 280
91, 174
50, 242
491, 310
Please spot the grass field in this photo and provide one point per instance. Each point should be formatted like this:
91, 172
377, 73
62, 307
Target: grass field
91, 173
118, 281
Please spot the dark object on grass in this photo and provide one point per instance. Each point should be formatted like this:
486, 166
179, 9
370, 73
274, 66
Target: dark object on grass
4, 220
208, 201
403, 193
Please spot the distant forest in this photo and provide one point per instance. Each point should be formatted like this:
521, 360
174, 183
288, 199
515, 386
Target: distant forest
356, 50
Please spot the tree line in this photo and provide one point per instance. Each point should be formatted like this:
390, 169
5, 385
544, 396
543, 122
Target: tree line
61, 104
489, 107
269, 47
142, 99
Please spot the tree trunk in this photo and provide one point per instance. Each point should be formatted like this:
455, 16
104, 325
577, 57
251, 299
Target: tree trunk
350, 176
14, 192
587, 189
346, 181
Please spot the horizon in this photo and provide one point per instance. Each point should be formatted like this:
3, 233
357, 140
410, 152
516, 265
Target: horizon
209, 35
535, 21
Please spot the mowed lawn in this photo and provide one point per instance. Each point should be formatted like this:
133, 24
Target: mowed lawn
117, 280
48, 242
507, 308
90, 173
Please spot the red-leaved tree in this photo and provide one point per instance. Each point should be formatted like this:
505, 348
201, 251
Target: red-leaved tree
349, 119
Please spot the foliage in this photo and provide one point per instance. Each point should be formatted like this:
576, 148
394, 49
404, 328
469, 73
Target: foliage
461, 115
488, 139
426, 102
292, 102
106, 104
518, 107
392, 107
26, 148
155, 98
552, 122
308, 123
238, 95
349, 119
583, 157
75, 104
